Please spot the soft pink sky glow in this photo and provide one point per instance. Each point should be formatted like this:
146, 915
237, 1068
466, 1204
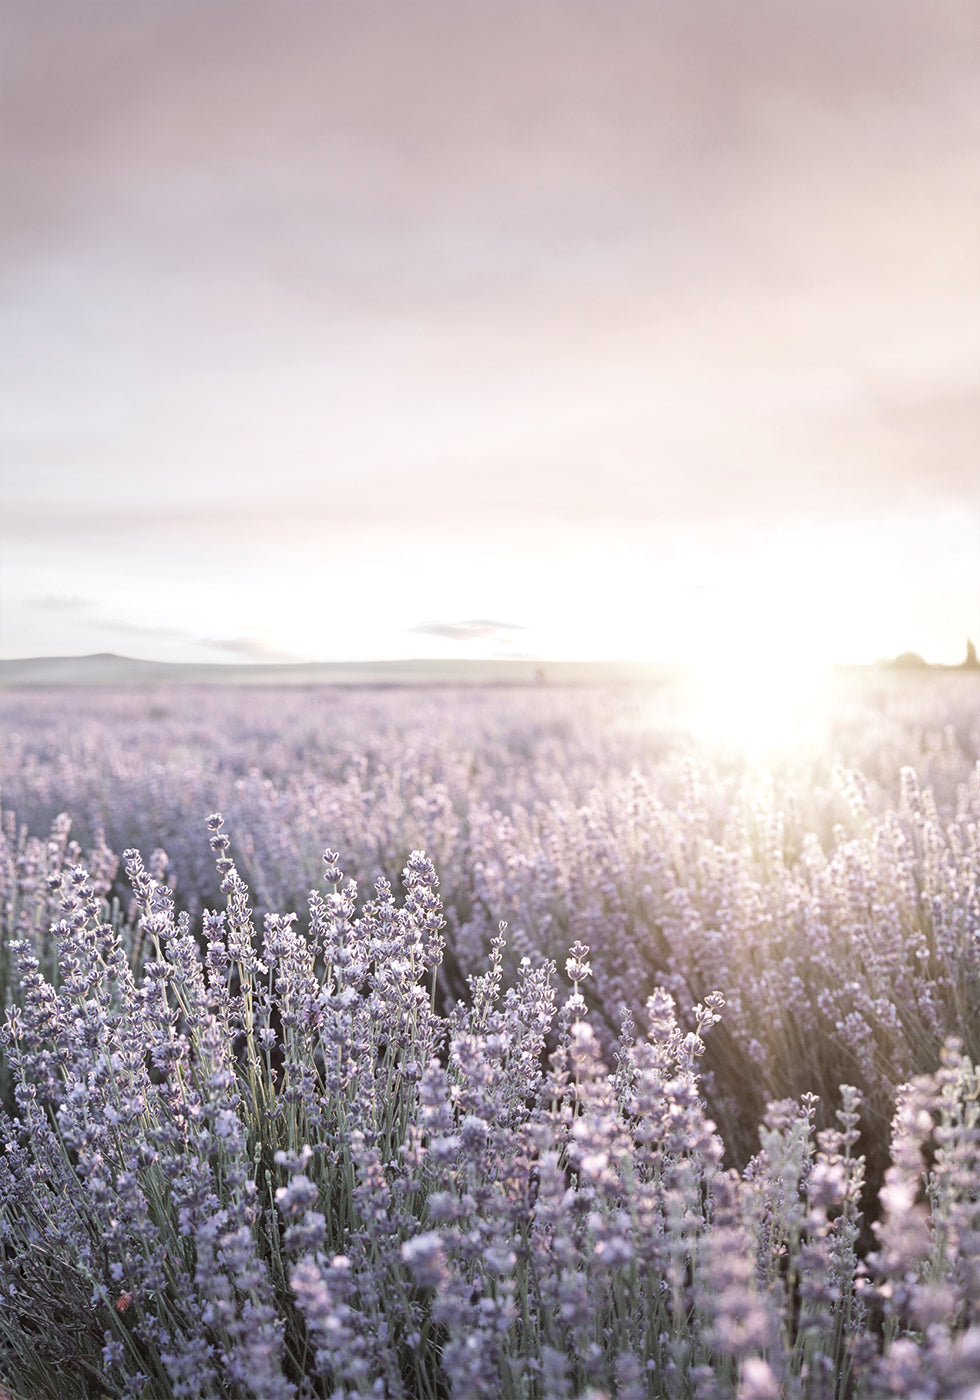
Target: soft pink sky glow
336, 331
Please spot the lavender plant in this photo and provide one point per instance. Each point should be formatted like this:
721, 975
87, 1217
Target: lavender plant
833, 899
360, 1143
271, 1169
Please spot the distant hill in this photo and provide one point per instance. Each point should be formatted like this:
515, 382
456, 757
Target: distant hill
105, 668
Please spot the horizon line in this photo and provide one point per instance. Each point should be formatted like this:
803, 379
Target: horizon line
904, 661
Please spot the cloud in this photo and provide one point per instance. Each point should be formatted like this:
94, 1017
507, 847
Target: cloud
607, 269
248, 649
59, 602
472, 630
564, 279
137, 629
387, 116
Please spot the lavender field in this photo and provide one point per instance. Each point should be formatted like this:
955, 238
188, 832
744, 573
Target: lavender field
523, 1042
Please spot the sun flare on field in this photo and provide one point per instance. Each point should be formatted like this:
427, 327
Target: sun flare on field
758, 707
756, 687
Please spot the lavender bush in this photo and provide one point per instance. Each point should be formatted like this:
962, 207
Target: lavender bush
831, 892
702, 1121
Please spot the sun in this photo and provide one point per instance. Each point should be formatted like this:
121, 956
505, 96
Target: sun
758, 704
762, 710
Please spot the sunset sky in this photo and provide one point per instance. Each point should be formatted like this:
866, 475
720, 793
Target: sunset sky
557, 328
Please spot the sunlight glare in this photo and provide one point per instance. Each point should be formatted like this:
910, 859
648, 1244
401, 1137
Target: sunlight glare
758, 705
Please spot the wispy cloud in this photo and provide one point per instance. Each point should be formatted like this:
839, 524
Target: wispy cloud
139, 629
248, 649
241, 648
162, 639
60, 602
472, 630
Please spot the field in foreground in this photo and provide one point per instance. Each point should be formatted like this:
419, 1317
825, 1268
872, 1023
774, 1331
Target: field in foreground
701, 1121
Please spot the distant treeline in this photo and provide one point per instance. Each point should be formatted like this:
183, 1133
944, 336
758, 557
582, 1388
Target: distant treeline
912, 661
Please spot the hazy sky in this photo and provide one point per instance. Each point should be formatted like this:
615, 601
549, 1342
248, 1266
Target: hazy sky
584, 328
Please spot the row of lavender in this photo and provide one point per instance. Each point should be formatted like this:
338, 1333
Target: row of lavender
387, 1155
